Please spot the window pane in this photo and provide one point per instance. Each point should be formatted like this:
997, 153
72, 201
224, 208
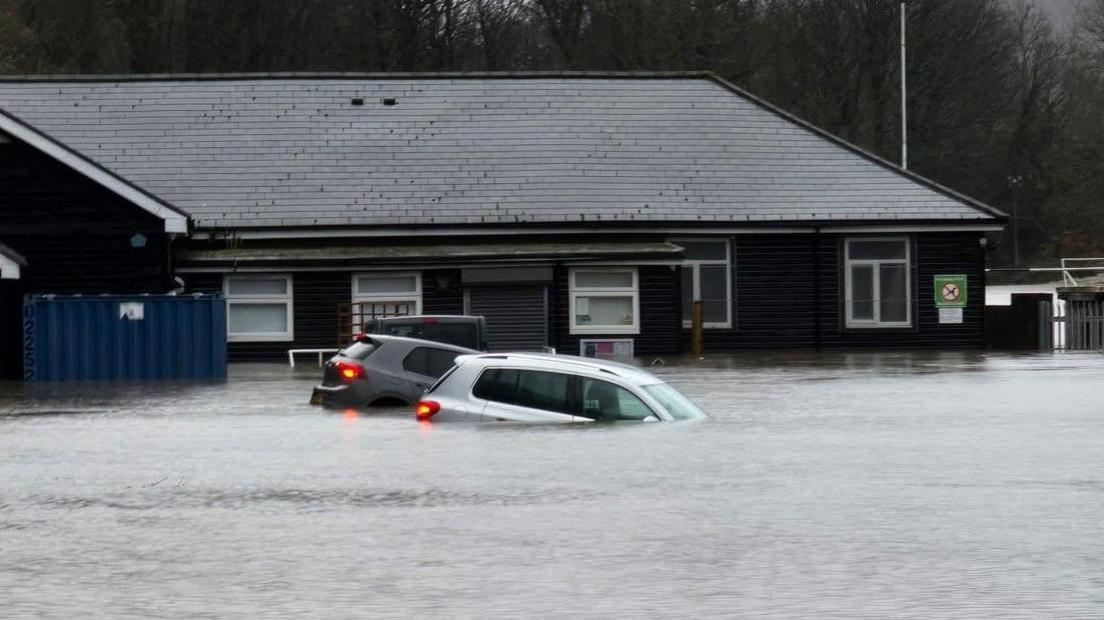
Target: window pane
714, 292
687, 291
862, 292
875, 250
257, 318
364, 310
497, 384
603, 279
704, 250
542, 390
893, 290
527, 388
439, 361
257, 286
417, 361
605, 401
384, 284
613, 311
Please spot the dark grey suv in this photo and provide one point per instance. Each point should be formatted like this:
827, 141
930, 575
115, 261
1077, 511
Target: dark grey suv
384, 370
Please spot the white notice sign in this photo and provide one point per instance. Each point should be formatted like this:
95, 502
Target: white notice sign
951, 316
132, 311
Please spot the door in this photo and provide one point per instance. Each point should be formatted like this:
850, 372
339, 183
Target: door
517, 316
523, 395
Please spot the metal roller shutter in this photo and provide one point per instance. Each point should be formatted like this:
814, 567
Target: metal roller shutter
517, 316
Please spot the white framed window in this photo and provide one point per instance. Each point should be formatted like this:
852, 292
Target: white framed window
604, 301
386, 293
259, 308
878, 282
706, 275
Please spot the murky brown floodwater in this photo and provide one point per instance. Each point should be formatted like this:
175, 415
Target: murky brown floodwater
834, 486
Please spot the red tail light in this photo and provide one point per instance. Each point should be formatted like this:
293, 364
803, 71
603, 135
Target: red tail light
349, 372
425, 409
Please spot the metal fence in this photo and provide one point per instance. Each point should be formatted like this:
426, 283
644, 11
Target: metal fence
1071, 325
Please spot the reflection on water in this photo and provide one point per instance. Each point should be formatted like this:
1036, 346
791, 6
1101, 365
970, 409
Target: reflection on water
928, 485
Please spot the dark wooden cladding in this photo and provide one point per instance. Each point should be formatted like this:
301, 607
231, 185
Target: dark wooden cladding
789, 294
316, 296
76, 235
660, 322
441, 292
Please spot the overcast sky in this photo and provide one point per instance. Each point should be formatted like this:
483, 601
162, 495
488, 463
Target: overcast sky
1059, 10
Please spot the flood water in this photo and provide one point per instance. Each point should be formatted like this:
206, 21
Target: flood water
870, 485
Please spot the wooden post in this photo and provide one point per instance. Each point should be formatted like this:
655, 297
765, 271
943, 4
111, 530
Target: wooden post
697, 344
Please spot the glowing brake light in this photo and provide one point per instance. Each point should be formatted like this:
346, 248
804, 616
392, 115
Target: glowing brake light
348, 371
425, 409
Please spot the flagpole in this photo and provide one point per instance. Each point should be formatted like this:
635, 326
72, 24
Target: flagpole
904, 94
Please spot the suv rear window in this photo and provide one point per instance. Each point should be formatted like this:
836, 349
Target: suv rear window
527, 388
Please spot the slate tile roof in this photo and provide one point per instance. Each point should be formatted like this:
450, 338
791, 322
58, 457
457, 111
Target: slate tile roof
298, 151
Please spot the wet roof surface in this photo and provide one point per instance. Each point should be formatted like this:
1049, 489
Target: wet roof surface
467, 150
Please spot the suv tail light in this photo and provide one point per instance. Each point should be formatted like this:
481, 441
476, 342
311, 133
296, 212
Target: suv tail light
349, 372
425, 409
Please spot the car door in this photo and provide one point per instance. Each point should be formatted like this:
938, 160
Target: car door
525, 395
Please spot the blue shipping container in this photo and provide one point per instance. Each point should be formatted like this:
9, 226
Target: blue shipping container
124, 337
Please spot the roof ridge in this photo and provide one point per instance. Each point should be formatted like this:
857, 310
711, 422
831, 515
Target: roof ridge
338, 75
856, 149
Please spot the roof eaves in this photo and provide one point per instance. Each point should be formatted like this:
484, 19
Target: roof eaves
11, 263
12, 255
991, 211
347, 75
175, 220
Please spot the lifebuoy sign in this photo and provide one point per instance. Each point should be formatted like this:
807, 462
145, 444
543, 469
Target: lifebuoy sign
950, 291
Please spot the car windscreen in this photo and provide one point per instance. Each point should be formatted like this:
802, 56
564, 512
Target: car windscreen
459, 334
359, 350
680, 407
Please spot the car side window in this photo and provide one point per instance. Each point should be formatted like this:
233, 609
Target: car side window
429, 361
417, 361
439, 361
527, 388
603, 400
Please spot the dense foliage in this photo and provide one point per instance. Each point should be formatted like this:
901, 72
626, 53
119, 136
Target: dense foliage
1001, 106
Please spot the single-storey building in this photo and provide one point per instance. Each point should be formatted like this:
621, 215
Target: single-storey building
563, 207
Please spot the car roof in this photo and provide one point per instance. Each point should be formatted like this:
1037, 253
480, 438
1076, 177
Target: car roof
382, 338
573, 362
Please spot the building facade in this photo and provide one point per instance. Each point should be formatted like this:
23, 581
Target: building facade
569, 210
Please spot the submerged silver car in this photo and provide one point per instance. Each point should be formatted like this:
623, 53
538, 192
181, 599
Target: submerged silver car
534, 387
384, 370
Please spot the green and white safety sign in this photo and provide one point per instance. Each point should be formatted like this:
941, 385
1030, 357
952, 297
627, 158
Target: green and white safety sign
950, 291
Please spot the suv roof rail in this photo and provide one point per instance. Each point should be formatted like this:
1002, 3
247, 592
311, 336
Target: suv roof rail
598, 365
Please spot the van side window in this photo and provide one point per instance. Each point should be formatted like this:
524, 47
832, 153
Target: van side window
429, 361
526, 388
603, 400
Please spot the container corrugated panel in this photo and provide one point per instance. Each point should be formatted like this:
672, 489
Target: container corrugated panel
124, 337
